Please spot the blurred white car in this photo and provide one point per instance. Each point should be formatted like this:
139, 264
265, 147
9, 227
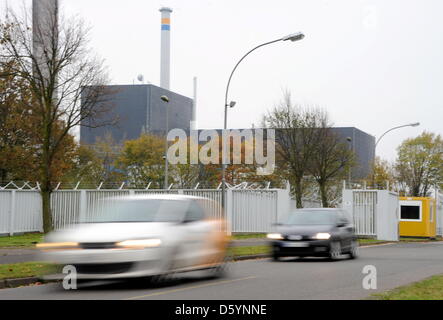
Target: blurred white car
142, 236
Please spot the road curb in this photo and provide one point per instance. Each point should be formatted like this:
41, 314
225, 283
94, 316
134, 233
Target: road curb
251, 257
18, 282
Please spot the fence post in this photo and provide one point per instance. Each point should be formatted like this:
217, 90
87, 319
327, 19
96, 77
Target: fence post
386, 216
229, 203
12, 214
83, 205
283, 204
347, 202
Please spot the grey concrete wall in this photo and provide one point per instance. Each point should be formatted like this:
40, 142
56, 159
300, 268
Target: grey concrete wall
130, 105
179, 110
138, 109
363, 144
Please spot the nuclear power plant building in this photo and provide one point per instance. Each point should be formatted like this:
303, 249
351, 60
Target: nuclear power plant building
139, 109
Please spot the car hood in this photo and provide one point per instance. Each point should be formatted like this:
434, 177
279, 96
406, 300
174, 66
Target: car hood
109, 232
306, 230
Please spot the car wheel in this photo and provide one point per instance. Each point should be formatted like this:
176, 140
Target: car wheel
275, 257
353, 252
219, 271
335, 250
161, 278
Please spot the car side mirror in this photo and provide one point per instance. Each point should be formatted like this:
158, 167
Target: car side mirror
340, 224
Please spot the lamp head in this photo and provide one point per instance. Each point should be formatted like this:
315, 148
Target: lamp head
165, 99
416, 124
294, 36
232, 104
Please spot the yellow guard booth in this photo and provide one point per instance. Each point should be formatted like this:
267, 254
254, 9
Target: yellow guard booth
417, 217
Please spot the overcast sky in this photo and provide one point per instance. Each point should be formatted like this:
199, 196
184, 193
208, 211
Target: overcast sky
372, 64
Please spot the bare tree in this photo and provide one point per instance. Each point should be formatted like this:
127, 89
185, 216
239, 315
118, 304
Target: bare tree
330, 157
295, 137
67, 83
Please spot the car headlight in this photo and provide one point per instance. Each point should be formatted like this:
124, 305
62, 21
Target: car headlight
143, 243
274, 236
57, 245
322, 236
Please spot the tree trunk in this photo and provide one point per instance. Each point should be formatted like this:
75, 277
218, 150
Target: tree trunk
46, 188
298, 193
323, 194
46, 207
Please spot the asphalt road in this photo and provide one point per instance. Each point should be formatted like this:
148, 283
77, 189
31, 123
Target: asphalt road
13, 255
397, 264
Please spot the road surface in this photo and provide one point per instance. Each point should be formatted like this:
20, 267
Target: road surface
9, 255
396, 264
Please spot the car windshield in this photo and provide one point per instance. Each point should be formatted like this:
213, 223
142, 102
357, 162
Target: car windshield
311, 217
144, 210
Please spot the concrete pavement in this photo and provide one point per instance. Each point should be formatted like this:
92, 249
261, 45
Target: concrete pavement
397, 264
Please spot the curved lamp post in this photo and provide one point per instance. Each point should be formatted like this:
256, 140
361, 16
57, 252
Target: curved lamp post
292, 37
349, 139
416, 124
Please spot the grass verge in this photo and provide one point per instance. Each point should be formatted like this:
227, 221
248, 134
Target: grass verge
26, 269
247, 251
428, 289
369, 241
242, 236
23, 241
412, 239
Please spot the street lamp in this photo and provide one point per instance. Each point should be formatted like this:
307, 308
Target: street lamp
349, 139
291, 37
415, 124
166, 100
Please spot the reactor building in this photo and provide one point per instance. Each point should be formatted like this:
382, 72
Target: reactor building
139, 108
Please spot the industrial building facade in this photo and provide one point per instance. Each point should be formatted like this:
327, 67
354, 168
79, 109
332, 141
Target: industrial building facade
363, 145
139, 109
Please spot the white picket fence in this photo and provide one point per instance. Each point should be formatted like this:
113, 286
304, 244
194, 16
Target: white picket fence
246, 210
20, 211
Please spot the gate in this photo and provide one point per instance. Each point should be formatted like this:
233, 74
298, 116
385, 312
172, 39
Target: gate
374, 212
364, 206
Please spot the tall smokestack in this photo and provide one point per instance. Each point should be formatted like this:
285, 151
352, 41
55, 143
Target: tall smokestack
194, 107
44, 32
165, 48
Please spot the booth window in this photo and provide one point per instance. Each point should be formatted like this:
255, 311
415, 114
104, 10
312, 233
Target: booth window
410, 212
